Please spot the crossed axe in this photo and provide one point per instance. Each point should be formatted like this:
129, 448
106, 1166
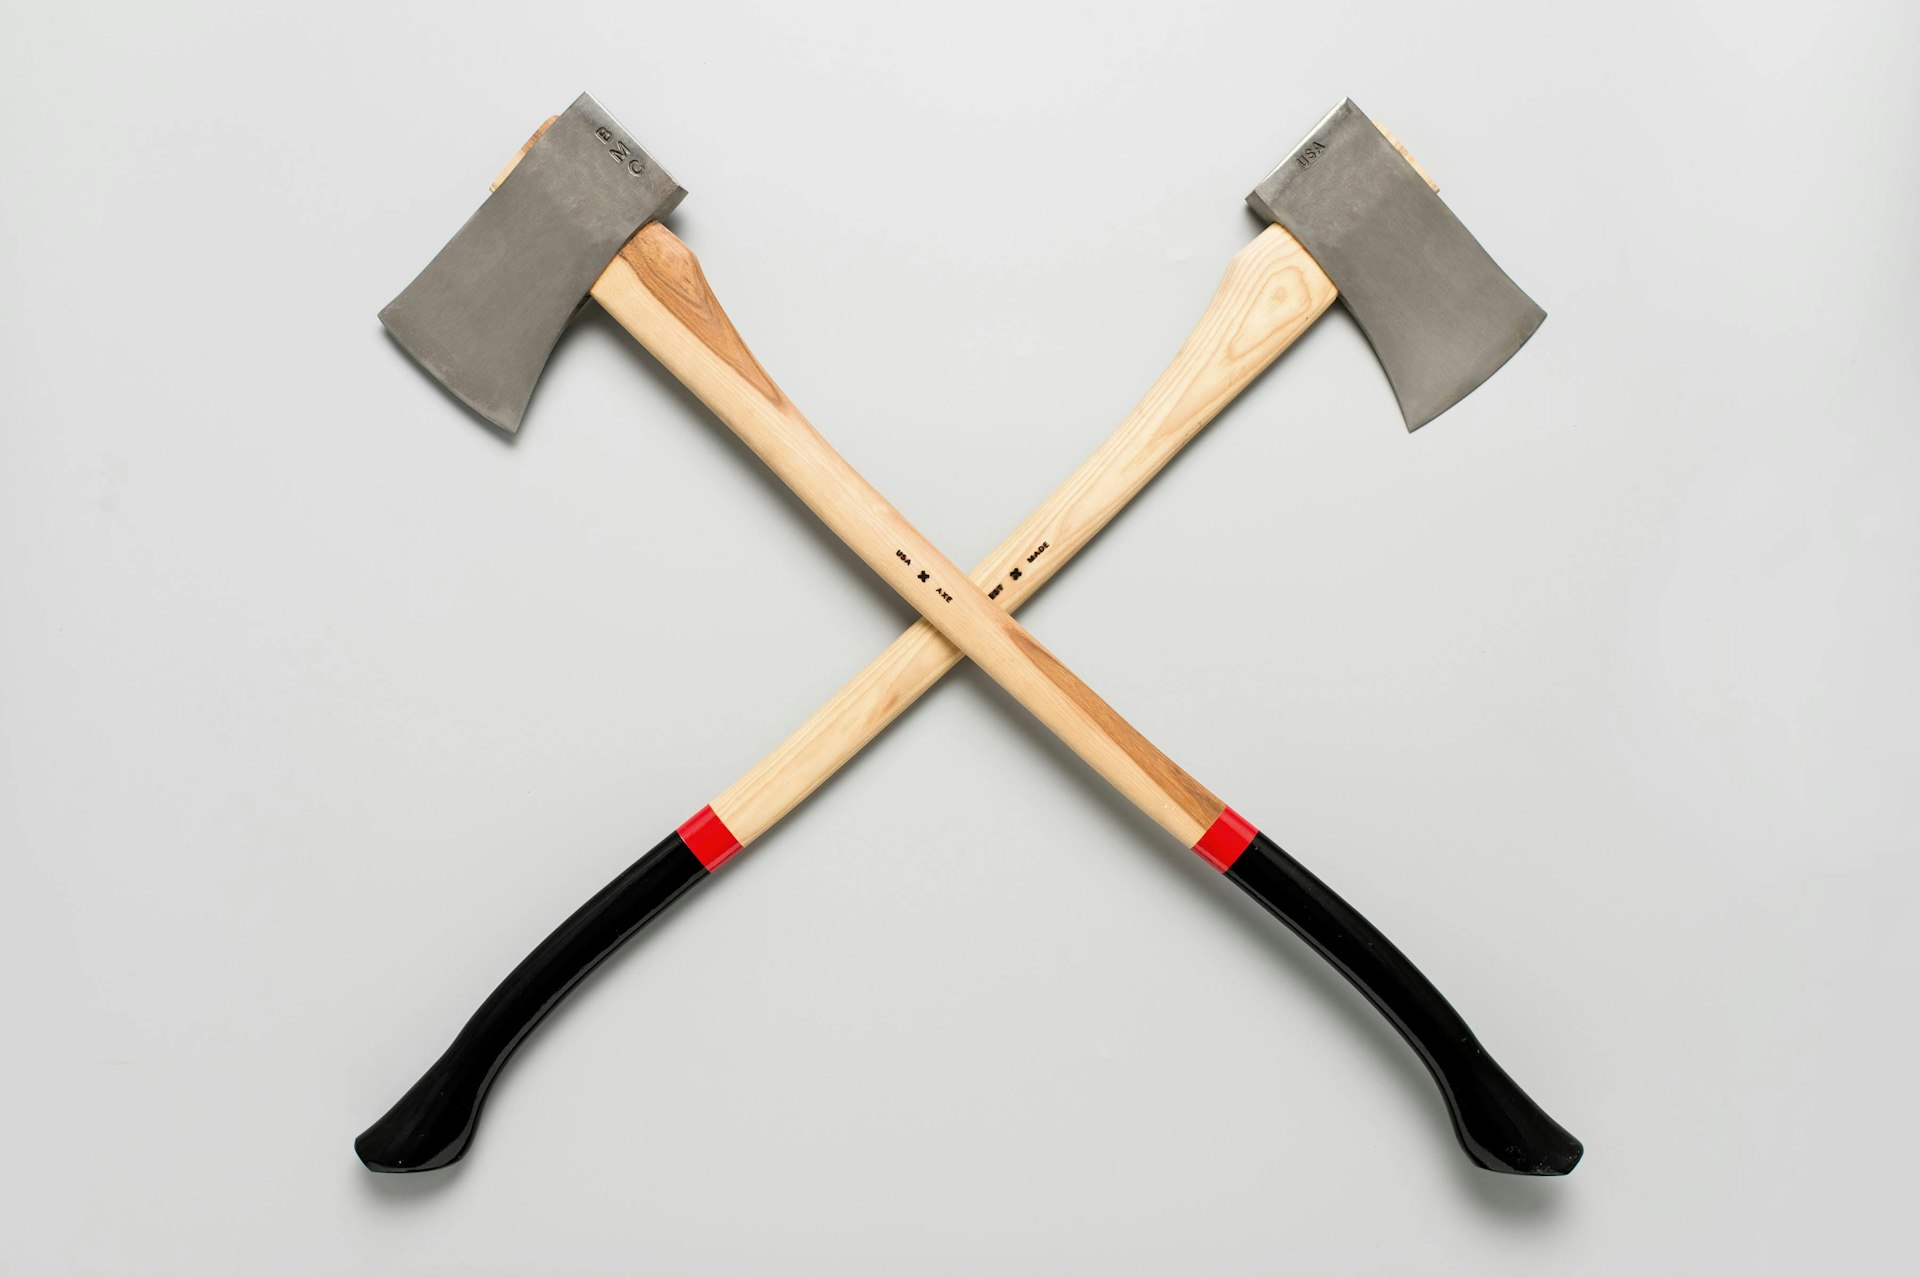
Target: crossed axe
577, 215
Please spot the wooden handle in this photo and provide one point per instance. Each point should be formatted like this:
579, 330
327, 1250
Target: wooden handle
1271, 293
657, 292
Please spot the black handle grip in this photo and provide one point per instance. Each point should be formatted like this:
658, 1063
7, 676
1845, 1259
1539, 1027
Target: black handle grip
1498, 1124
433, 1124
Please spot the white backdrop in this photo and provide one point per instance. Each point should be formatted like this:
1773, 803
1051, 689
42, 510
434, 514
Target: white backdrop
319, 705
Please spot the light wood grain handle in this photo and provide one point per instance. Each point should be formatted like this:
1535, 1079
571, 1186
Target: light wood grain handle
1271, 292
656, 290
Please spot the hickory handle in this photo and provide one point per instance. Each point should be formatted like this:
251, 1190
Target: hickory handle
1253, 317
1271, 291
656, 290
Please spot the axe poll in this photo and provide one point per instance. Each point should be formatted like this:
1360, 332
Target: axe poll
485, 315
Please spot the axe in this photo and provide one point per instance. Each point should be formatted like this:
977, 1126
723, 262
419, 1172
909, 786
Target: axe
577, 217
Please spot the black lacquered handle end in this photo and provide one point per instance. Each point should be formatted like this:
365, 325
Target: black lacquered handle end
433, 1124
428, 1128
1498, 1125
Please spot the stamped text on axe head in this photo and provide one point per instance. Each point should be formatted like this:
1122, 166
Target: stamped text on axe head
485, 314
1441, 314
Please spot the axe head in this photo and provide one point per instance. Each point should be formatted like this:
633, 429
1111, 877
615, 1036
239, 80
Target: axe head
1441, 314
485, 314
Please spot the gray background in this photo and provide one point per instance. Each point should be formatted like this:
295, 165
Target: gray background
319, 704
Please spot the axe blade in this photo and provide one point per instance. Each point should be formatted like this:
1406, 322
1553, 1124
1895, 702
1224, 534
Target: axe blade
1441, 314
486, 313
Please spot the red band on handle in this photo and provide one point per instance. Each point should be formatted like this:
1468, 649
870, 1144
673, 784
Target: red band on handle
709, 839
1225, 840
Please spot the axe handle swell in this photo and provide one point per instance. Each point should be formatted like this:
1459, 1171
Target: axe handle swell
1497, 1124
432, 1125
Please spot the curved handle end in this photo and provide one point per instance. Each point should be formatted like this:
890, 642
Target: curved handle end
428, 1128
433, 1124
1499, 1126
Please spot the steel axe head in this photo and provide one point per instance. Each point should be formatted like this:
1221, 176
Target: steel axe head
485, 314
1441, 314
